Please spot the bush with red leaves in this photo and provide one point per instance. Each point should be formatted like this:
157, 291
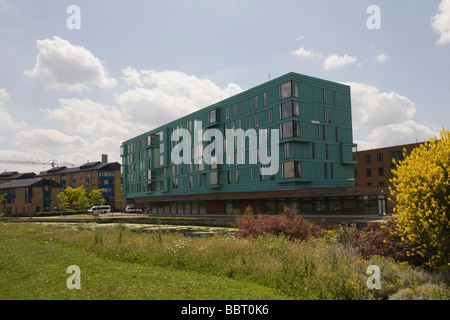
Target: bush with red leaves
290, 224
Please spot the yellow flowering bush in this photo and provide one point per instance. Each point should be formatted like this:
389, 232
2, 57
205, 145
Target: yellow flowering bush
421, 186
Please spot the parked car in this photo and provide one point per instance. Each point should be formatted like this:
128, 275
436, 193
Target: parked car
129, 209
98, 209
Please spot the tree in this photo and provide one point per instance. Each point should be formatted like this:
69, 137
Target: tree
96, 198
421, 186
74, 199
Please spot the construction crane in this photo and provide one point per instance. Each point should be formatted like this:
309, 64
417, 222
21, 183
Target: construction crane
53, 163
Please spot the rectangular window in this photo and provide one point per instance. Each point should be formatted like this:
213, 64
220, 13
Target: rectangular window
368, 172
313, 150
235, 107
227, 113
334, 98
325, 170
287, 153
213, 116
332, 170
290, 129
292, 169
381, 172
256, 120
324, 96
270, 116
327, 115
336, 135
367, 158
326, 152
255, 102
289, 109
380, 157
215, 178
288, 89
237, 176
266, 99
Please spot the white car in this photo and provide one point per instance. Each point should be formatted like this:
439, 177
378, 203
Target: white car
129, 209
97, 209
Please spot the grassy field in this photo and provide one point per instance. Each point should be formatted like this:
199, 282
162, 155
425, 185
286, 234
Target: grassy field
116, 263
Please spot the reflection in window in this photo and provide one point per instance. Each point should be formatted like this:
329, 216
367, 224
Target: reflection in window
292, 169
288, 89
289, 109
213, 116
290, 129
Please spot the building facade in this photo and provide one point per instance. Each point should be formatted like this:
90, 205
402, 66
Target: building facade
374, 167
29, 196
285, 142
92, 175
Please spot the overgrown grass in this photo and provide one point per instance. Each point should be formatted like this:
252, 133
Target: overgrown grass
120, 264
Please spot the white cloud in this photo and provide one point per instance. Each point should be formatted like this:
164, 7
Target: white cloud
441, 22
302, 52
334, 61
132, 77
45, 144
49, 139
7, 122
396, 134
381, 58
61, 65
168, 95
87, 117
370, 107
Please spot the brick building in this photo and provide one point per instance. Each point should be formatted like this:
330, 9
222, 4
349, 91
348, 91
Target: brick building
374, 167
92, 175
29, 196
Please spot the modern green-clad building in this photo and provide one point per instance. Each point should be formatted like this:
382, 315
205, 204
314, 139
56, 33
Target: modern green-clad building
285, 142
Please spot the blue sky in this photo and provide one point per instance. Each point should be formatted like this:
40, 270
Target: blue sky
73, 94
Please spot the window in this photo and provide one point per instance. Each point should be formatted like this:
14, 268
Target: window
266, 99
288, 89
215, 178
214, 116
227, 113
326, 152
237, 176
368, 172
313, 150
255, 102
367, 158
151, 140
289, 109
290, 129
292, 169
381, 172
324, 96
380, 157
270, 116
327, 115
325, 170
336, 135
334, 98
256, 120
287, 153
